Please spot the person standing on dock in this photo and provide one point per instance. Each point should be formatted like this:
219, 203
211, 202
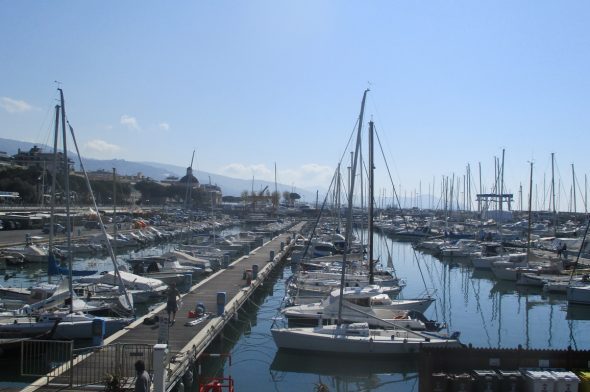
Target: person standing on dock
142, 381
172, 304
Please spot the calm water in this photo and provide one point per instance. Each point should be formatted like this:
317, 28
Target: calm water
487, 313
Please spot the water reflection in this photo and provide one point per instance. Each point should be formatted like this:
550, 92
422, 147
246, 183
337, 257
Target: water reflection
343, 373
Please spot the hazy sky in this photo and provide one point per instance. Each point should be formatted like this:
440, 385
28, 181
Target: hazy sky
251, 83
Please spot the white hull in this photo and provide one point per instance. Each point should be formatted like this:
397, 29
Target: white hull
579, 294
342, 340
65, 330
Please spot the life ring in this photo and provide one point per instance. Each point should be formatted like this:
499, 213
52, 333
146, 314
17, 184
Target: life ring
214, 386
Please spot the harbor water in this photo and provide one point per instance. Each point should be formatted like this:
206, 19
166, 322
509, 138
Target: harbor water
488, 314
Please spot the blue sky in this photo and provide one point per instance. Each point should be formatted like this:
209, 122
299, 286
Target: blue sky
251, 83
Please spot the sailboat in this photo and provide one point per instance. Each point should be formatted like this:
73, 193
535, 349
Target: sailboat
358, 338
73, 322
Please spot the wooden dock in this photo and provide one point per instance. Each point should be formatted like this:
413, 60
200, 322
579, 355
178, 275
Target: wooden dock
185, 343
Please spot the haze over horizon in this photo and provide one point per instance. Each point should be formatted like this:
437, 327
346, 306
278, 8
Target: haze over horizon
248, 85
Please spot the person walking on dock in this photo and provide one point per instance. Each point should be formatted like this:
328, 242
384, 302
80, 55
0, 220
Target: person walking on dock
172, 304
142, 381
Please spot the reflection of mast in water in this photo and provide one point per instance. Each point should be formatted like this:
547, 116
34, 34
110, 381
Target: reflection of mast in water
499, 320
478, 307
450, 304
444, 304
570, 324
526, 321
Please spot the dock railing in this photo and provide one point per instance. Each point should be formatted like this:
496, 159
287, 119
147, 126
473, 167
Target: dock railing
56, 359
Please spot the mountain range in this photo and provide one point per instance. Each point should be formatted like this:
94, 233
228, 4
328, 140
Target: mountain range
159, 171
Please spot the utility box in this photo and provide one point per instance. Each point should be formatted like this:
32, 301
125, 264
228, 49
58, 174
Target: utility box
221, 296
565, 381
461, 383
440, 382
99, 329
511, 381
584, 376
486, 381
539, 381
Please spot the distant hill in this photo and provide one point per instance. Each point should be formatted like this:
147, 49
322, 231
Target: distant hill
158, 171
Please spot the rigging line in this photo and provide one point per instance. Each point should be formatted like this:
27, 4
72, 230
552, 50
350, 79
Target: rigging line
102, 227
349, 140
318, 218
390, 177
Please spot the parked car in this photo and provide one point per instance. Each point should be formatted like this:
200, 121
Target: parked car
57, 228
91, 225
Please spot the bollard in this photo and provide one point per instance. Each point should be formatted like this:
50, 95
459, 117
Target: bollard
254, 271
221, 303
225, 261
282, 246
98, 331
272, 255
160, 358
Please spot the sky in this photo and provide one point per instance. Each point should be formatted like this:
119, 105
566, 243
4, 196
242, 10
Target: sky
251, 84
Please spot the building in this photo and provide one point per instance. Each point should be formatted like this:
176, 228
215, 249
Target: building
35, 157
105, 175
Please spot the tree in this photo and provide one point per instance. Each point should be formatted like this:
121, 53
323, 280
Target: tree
245, 195
287, 197
275, 198
151, 191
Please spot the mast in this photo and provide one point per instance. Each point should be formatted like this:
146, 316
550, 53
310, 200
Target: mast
115, 210
53, 185
339, 217
502, 181
67, 192
370, 202
528, 240
574, 187
480, 189
553, 192
189, 174
350, 215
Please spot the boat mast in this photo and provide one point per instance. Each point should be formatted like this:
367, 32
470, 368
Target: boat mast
528, 240
574, 187
350, 215
553, 192
115, 210
67, 192
53, 184
370, 203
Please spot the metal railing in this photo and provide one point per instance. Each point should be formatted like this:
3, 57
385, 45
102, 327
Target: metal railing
64, 365
46, 358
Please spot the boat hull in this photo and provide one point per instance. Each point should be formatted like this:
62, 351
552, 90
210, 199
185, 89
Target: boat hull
392, 343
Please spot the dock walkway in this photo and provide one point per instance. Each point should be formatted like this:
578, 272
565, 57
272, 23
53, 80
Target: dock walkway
185, 343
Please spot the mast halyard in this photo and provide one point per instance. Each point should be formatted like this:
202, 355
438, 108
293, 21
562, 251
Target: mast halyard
348, 233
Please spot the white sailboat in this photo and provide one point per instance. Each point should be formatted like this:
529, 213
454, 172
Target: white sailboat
358, 338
